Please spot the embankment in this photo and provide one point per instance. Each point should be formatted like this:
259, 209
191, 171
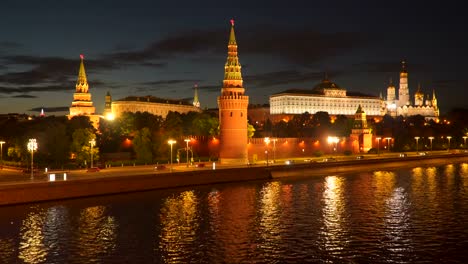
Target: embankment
27, 192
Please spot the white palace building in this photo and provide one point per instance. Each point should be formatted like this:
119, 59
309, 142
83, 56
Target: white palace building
328, 97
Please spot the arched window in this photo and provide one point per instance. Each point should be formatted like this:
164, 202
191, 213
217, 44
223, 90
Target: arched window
231, 113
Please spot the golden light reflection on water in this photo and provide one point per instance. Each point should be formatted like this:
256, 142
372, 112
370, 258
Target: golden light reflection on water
333, 210
7, 249
397, 221
179, 225
32, 248
95, 225
270, 211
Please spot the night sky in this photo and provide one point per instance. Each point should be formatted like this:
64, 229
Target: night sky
164, 48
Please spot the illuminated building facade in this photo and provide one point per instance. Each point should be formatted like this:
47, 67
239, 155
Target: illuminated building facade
152, 105
402, 105
233, 105
82, 104
328, 97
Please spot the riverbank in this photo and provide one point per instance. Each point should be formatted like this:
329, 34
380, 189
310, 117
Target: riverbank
121, 182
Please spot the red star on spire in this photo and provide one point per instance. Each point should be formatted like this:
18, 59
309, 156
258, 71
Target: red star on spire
81, 56
232, 22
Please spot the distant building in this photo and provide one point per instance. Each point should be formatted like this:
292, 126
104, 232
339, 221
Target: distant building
82, 104
152, 105
326, 96
423, 105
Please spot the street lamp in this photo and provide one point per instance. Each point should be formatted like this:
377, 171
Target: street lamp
92, 142
267, 141
32, 146
171, 142
464, 141
332, 140
431, 138
187, 141
274, 149
417, 141
449, 137
1, 151
388, 143
378, 145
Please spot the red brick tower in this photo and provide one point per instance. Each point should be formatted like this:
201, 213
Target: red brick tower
233, 109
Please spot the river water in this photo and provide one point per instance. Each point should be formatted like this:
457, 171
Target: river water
417, 215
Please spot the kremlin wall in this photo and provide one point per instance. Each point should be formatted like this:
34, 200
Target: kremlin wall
233, 146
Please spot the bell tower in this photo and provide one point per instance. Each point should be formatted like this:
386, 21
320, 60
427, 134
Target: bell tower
233, 105
403, 91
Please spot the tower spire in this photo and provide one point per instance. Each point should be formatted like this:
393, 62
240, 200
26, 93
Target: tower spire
82, 82
196, 102
232, 35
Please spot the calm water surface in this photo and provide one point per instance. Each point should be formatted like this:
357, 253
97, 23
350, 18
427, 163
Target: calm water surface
417, 215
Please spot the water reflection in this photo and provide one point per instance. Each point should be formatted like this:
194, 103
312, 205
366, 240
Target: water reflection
32, 248
99, 228
333, 215
179, 225
270, 215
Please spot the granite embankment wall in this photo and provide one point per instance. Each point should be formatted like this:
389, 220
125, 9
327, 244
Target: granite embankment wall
42, 191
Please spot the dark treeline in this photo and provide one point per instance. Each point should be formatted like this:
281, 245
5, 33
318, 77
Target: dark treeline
63, 142
402, 130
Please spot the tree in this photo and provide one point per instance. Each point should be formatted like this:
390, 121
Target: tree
81, 147
142, 146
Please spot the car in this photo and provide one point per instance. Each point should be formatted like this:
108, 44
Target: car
160, 167
403, 155
200, 165
422, 153
93, 169
289, 162
329, 159
360, 157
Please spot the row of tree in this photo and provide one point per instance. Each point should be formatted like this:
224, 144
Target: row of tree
63, 141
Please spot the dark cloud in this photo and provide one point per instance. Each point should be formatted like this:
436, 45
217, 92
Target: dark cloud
50, 109
392, 66
9, 45
28, 89
306, 46
24, 96
169, 82
269, 79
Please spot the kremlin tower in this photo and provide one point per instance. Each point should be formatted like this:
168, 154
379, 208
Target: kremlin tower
82, 104
233, 105
403, 92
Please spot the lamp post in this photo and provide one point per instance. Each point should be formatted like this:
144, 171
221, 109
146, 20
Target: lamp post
417, 141
274, 149
464, 141
267, 141
430, 139
32, 146
171, 142
187, 141
1, 151
332, 140
388, 143
378, 145
92, 142
449, 137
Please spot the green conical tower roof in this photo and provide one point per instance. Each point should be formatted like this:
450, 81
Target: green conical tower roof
359, 110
